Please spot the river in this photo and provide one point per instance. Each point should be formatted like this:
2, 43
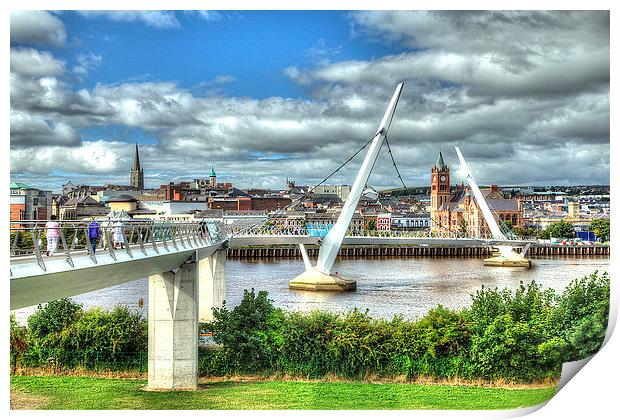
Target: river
386, 286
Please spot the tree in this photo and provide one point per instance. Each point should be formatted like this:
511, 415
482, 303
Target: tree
463, 227
600, 227
561, 229
54, 317
243, 332
19, 342
371, 224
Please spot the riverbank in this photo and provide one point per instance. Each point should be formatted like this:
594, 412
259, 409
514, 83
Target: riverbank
292, 251
81, 393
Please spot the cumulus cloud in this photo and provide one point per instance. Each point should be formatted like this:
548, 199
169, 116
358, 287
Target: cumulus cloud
28, 130
155, 19
37, 27
33, 63
524, 94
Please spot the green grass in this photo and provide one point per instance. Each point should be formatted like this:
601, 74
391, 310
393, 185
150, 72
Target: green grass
81, 393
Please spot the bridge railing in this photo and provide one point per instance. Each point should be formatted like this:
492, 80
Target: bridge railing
76, 237
273, 230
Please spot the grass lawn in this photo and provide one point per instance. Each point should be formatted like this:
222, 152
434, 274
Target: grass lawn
82, 393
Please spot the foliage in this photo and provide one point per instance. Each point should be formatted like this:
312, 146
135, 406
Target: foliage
462, 228
523, 335
520, 335
561, 229
601, 229
525, 232
53, 318
243, 331
371, 224
19, 342
69, 336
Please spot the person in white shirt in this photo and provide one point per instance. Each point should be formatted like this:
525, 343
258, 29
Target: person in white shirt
119, 237
52, 233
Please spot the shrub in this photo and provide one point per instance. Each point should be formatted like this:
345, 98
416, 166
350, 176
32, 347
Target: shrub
243, 331
19, 342
53, 318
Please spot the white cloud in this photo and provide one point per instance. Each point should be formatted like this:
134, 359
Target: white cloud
86, 63
208, 15
528, 108
34, 63
156, 19
37, 27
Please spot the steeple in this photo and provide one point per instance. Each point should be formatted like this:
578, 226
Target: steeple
136, 160
440, 164
212, 177
136, 177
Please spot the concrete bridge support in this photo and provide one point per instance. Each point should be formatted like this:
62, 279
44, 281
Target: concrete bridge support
173, 328
212, 279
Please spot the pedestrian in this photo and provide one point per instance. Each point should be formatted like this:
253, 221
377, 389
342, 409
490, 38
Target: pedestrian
93, 234
52, 233
119, 237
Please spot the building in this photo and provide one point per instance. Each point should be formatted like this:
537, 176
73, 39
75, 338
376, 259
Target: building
411, 221
28, 203
456, 210
78, 208
341, 191
137, 173
384, 222
440, 190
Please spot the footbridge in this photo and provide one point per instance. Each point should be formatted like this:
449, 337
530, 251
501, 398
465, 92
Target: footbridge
301, 236
184, 263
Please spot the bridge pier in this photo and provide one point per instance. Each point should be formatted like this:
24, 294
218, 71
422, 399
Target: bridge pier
173, 328
212, 283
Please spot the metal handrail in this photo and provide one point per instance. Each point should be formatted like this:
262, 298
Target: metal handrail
78, 237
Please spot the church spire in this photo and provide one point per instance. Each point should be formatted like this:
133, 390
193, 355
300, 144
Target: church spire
136, 160
137, 173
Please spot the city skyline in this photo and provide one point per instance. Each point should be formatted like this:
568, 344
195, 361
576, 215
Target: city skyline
267, 95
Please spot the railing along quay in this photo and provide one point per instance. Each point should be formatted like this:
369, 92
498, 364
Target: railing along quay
413, 251
71, 238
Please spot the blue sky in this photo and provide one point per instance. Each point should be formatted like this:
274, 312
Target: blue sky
252, 47
265, 95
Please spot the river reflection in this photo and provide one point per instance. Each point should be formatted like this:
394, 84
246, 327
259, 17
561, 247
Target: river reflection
407, 286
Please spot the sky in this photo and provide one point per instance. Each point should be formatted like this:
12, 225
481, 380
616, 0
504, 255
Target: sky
266, 95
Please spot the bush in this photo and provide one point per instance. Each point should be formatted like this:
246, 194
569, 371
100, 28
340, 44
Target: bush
523, 336
243, 331
19, 342
53, 318
582, 314
62, 333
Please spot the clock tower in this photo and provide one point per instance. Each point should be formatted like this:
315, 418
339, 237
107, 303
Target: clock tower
440, 190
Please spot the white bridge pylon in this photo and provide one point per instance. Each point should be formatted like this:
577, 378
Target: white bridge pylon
508, 255
333, 240
321, 272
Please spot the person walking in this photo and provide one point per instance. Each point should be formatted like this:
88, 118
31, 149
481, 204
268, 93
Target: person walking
52, 233
93, 234
119, 237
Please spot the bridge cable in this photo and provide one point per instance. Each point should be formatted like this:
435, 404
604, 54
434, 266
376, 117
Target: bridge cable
394, 162
297, 201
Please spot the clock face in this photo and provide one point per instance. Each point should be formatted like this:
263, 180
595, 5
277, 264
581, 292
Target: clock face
443, 178
434, 177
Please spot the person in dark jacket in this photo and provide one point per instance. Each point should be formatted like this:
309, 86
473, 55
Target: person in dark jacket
93, 234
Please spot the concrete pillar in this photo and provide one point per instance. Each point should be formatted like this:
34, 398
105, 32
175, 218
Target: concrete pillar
212, 283
173, 329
